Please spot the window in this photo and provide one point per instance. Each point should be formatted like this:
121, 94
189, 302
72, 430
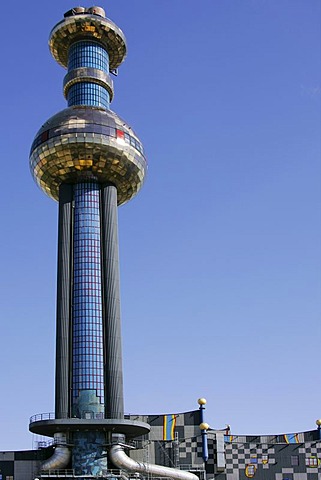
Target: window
87, 93
294, 460
250, 471
265, 458
311, 462
88, 54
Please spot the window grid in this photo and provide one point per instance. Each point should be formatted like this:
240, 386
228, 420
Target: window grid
91, 55
88, 365
100, 130
88, 54
86, 93
312, 462
294, 460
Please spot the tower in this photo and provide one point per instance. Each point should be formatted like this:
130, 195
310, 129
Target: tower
90, 161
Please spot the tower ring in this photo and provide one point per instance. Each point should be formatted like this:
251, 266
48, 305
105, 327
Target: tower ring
86, 74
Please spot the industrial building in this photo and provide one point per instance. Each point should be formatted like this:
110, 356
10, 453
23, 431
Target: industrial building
91, 161
175, 441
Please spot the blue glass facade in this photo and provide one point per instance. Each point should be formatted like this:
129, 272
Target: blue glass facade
87, 93
88, 365
87, 336
88, 54
90, 455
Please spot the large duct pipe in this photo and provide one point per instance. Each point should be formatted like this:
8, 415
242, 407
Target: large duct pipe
122, 461
61, 457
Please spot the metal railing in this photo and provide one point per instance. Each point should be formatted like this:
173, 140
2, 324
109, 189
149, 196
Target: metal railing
64, 415
45, 443
57, 473
42, 416
70, 473
197, 469
189, 466
117, 474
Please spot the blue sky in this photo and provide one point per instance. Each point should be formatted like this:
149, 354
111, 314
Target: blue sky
220, 251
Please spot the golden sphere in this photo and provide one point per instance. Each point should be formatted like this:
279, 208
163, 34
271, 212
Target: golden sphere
201, 401
204, 426
80, 145
318, 422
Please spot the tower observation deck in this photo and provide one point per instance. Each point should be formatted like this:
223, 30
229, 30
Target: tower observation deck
91, 161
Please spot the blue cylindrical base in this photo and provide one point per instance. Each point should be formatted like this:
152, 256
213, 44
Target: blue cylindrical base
89, 455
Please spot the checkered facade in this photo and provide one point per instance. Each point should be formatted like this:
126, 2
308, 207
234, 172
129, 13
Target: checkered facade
267, 457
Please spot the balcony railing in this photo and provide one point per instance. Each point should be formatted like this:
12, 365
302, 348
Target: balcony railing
51, 416
42, 416
71, 474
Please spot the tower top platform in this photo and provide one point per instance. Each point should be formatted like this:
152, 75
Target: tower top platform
87, 24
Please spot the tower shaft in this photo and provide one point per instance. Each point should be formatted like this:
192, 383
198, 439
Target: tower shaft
88, 303
93, 268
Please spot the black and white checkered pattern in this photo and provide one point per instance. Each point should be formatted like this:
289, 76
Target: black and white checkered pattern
311, 449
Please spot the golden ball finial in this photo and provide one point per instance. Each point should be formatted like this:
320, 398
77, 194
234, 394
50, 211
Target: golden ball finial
204, 426
318, 422
201, 401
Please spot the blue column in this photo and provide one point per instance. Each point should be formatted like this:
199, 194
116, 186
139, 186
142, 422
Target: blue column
203, 426
91, 55
90, 454
88, 396
88, 360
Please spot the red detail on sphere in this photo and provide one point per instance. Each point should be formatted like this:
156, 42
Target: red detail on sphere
120, 134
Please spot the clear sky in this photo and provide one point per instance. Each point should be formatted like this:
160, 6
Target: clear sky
220, 251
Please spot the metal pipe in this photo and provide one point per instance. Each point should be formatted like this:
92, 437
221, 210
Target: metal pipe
61, 457
122, 461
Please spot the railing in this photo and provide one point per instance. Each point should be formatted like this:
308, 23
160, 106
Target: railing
189, 466
70, 473
42, 416
51, 416
58, 473
197, 469
45, 444
119, 474
51, 442
111, 474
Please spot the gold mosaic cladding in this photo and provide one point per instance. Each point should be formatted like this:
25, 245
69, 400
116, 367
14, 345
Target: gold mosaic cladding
75, 157
94, 75
89, 27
